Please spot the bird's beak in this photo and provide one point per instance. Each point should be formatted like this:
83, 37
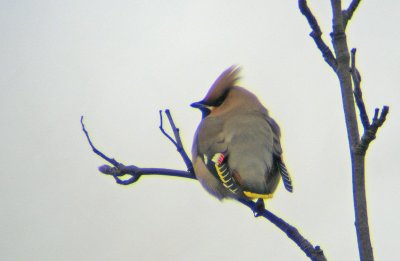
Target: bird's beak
198, 105
204, 108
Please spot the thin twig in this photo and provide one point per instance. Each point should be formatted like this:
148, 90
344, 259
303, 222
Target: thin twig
178, 144
370, 130
348, 13
370, 133
355, 75
164, 132
316, 34
110, 160
314, 253
135, 172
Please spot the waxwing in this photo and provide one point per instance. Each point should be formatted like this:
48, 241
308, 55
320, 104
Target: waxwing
236, 151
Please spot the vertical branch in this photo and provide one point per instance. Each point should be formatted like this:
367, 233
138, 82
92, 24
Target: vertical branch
349, 76
358, 161
339, 41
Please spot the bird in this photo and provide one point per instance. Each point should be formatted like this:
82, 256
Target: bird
236, 150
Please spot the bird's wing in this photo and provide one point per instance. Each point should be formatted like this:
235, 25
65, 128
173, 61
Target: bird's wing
287, 181
218, 166
277, 151
276, 131
207, 179
213, 152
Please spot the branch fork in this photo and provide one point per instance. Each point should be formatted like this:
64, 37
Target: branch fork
118, 170
316, 34
370, 129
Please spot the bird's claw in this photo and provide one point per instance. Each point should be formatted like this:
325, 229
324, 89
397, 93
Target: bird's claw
259, 207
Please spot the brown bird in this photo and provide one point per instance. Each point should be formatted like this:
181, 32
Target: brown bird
236, 151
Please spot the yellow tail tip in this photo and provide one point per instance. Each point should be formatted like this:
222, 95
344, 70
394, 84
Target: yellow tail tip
253, 195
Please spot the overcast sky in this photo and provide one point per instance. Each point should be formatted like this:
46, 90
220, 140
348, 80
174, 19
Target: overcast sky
118, 63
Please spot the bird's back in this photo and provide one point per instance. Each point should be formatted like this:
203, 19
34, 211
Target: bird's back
250, 146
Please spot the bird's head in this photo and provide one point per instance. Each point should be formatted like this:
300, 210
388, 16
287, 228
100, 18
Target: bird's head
218, 91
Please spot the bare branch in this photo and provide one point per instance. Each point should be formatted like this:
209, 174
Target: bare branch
135, 172
112, 161
370, 130
164, 132
316, 35
370, 133
348, 13
358, 146
355, 75
314, 253
178, 141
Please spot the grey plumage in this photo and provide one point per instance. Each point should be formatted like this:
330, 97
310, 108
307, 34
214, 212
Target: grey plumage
238, 127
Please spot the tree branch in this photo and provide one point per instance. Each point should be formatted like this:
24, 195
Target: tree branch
370, 133
370, 130
348, 13
135, 172
316, 34
358, 147
339, 40
314, 253
177, 142
355, 75
95, 150
119, 170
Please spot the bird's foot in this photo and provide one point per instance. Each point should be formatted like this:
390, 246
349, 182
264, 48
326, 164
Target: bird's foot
259, 207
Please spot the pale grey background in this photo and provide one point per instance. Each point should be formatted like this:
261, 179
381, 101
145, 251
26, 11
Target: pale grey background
118, 63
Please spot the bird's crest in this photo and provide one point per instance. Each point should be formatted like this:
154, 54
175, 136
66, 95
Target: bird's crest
226, 80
